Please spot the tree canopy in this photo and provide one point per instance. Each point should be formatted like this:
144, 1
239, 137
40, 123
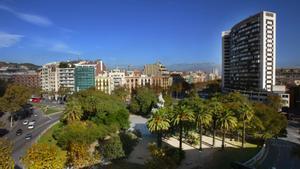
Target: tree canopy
6, 160
41, 156
143, 101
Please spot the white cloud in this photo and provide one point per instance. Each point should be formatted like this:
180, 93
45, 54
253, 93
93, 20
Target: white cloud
7, 40
30, 18
64, 48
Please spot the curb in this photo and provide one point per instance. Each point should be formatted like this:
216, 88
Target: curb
255, 159
43, 132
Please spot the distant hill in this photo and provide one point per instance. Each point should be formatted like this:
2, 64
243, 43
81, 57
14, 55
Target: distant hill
29, 66
206, 67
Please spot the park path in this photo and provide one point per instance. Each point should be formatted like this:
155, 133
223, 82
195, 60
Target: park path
193, 157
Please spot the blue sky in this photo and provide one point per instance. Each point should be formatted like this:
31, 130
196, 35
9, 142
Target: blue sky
135, 31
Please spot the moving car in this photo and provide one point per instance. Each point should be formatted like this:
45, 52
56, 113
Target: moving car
32, 122
36, 100
30, 126
19, 132
28, 136
25, 122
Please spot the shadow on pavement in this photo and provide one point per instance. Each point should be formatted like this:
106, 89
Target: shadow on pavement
3, 132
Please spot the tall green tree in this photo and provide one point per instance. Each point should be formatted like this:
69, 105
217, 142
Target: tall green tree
41, 156
14, 98
158, 123
226, 121
182, 113
73, 111
143, 101
215, 108
121, 92
242, 109
202, 118
246, 115
274, 101
6, 160
266, 122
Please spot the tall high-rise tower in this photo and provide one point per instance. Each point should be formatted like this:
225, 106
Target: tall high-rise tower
249, 54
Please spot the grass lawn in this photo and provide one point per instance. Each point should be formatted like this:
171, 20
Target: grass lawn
49, 110
47, 137
223, 159
122, 164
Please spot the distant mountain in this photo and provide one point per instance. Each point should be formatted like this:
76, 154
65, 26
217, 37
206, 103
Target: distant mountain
206, 67
29, 66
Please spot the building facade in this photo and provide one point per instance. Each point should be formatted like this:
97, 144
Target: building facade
156, 69
163, 82
117, 78
288, 76
66, 78
84, 76
29, 79
249, 54
49, 77
103, 83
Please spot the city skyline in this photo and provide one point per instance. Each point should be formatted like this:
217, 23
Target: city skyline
133, 32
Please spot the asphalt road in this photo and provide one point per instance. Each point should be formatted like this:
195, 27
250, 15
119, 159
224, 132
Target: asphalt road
20, 144
280, 152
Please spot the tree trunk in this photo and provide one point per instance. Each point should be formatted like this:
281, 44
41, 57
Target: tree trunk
200, 135
159, 139
214, 133
223, 140
180, 135
11, 120
244, 134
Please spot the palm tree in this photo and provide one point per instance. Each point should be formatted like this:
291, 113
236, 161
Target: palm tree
158, 123
226, 121
246, 115
73, 111
202, 117
182, 114
215, 108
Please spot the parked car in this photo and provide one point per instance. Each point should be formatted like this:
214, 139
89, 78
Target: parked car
28, 136
30, 126
32, 122
25, 122
19, 132
35, 115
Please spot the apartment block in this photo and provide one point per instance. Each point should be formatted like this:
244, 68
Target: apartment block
249, 54
103, 83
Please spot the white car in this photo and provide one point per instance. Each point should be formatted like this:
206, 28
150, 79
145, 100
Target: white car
25, 122
30, 126
35, 115
32, 122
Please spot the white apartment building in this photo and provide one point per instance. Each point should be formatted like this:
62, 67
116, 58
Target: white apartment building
117, 78
53, 77
66, 78
49, 77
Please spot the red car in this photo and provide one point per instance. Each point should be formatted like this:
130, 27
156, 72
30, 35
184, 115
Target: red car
36, 100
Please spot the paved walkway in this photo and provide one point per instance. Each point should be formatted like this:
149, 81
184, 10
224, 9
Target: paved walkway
193, 157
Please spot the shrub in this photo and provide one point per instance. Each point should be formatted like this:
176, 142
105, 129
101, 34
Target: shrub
129, 141
112, 149
79, 132
164, 158
192, 139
